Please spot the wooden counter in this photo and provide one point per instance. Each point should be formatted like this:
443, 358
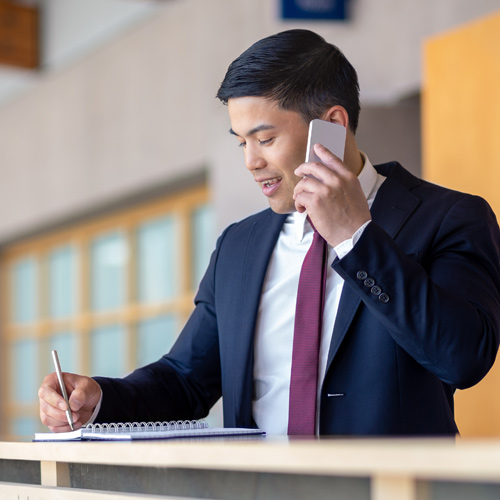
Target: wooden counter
270, 468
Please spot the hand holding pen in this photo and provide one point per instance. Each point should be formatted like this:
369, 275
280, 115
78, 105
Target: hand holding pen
67, 402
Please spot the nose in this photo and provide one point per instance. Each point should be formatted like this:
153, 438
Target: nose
253, 158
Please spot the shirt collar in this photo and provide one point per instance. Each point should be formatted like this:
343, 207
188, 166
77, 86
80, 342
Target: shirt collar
368, 180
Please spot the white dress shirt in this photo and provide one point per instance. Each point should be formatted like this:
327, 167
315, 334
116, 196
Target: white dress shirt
275, 321
276, 316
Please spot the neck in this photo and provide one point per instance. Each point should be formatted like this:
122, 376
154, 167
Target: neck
352, 156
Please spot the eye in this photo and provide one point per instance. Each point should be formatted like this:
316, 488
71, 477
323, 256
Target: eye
242, 144
268, 141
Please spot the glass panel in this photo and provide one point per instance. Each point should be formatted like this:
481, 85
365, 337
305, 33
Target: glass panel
203, 241
109, 351
62, 282
108, 271
157, 260
155, 337
25, 426
67, 346
25, 379
25, 290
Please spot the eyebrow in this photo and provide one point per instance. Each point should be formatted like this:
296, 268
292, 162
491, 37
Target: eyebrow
254, 130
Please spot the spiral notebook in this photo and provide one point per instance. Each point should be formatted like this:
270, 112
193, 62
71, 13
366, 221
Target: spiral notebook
132, 431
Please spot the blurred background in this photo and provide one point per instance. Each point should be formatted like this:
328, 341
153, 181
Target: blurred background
117, 171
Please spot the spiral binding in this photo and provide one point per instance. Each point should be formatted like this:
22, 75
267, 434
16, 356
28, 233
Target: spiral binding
128, 427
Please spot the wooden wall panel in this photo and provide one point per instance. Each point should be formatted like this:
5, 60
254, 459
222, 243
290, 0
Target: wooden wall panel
461, 150
19, 35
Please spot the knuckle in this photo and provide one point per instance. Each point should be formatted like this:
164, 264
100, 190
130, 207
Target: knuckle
335, 184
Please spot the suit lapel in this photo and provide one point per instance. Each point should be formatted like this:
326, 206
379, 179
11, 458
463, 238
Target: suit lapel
261, 242
258, 249
391, 209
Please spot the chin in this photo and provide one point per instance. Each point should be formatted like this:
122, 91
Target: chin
282, 209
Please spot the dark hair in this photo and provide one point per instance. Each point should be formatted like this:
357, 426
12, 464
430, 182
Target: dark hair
300, 70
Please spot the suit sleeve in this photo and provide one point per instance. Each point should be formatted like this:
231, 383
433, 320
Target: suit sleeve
183, 384
442, 303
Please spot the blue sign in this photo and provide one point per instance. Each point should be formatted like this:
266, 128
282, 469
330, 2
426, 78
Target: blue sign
314, 9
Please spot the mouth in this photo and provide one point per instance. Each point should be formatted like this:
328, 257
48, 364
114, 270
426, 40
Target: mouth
270, 186
270, 182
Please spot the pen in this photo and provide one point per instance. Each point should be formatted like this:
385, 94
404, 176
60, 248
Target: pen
63, 387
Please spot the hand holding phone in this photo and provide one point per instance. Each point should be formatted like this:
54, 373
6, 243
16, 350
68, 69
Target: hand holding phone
335, 203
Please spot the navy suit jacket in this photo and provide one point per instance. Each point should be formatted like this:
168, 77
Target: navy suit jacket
398, 352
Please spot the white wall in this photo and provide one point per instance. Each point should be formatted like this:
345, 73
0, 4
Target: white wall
141, 110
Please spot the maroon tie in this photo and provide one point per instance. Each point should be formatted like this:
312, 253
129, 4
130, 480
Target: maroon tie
306, 339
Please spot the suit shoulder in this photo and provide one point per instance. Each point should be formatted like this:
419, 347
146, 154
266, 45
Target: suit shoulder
428, 190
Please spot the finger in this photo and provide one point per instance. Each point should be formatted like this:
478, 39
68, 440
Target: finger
50, 392
328, 158
301, 203
312, 170
60, 425
65, 428
311, 185
307, 198
57, 425
54, 413
306, 183
323, 172
298, 191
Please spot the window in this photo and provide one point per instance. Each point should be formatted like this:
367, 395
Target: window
109, 294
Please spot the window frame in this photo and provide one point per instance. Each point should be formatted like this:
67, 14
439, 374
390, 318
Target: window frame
80, 235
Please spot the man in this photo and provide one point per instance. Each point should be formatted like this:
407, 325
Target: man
412, 300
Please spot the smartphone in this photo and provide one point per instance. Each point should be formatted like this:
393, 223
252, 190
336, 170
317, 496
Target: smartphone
331, 135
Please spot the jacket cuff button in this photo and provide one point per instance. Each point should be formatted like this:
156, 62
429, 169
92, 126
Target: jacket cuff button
369, 282
376, 290
383, 297
362, 275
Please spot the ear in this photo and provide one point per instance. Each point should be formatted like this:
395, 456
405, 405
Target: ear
336, 114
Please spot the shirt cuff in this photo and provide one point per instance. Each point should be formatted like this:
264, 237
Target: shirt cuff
342, 249
95, 412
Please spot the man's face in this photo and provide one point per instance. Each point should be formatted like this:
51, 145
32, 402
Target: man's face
274, 143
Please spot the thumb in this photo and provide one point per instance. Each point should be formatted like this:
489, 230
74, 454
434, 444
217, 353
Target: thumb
77, 399
85, 395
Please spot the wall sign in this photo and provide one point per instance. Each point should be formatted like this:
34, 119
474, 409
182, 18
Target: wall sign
314, 9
